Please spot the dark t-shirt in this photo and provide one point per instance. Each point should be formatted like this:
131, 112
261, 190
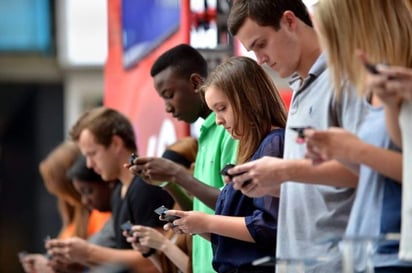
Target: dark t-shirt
138, 207
260, 214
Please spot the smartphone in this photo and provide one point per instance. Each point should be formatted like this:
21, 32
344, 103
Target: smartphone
127, 226
162, 212
300, 131
371, 68
225, 169
229, 166
132, 157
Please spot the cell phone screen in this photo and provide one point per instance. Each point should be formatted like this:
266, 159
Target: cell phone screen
162, 212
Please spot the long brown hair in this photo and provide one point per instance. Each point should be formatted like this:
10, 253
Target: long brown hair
256, 103
53, 170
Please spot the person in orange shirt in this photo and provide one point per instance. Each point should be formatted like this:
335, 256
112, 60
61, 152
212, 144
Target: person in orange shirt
74, 215
96, 194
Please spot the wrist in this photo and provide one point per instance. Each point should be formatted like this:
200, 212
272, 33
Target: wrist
149, 253
177, 175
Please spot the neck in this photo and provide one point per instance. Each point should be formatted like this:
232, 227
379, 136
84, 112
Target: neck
310, 51
125, 176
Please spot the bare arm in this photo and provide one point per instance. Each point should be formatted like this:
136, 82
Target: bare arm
180, 196
195, 222
336, 143
143, 238
268, 173
153, 169
80, 251
202, 191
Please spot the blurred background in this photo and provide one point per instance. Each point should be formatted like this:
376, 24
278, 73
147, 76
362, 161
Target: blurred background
60, 58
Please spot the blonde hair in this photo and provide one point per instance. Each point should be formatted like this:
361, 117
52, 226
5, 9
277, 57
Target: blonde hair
53, 170
380, 28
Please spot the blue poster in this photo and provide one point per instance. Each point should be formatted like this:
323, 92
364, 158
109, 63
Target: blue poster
145, 24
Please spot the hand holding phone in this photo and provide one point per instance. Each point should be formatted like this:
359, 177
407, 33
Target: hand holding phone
162, 212
132, 157
300, 131
225, 169
127, 226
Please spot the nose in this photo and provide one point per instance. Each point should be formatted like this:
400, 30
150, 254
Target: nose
261, 58
85, 200
89, 163
219, 120
169, 108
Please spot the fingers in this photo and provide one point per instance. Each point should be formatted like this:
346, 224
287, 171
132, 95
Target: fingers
237, 170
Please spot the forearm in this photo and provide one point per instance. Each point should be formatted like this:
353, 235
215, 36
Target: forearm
392, 124
229, 226
102, 255
383, 161
180, 196
330, 173
203, 192
176, 255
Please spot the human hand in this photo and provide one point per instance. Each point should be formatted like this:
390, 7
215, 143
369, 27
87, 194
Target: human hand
71, 250
398, 80
34, 263
190, 222
333, 143
265, 175
154, 170
147, 237
377, 79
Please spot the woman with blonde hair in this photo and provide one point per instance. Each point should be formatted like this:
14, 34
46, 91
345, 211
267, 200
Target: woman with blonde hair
356, 35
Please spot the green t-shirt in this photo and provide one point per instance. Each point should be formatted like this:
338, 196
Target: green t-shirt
216, 149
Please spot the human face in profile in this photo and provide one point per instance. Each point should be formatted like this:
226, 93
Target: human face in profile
180, 95
219, 103
279, 49
95, 195
103, 160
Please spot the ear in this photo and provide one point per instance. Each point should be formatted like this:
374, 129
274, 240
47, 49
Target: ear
196, 81
117, 143
289, 20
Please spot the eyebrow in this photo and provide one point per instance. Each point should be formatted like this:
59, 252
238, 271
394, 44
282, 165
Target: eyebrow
252, 45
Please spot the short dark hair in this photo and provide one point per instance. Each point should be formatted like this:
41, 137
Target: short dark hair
104, 123
184, 59
265, 13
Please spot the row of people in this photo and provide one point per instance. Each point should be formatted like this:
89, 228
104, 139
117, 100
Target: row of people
349, 176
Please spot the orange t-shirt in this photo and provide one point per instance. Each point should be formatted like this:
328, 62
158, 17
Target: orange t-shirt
97, 220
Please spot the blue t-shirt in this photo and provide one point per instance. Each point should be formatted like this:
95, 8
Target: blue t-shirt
260, 217
377, 207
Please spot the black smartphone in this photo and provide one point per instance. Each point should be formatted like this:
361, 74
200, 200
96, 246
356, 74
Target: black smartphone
162, 212
229, 166
300, 130
127, 226
371, 68
225, 169
132, 157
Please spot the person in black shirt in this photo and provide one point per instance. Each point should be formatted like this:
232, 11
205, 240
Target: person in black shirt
106, 138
